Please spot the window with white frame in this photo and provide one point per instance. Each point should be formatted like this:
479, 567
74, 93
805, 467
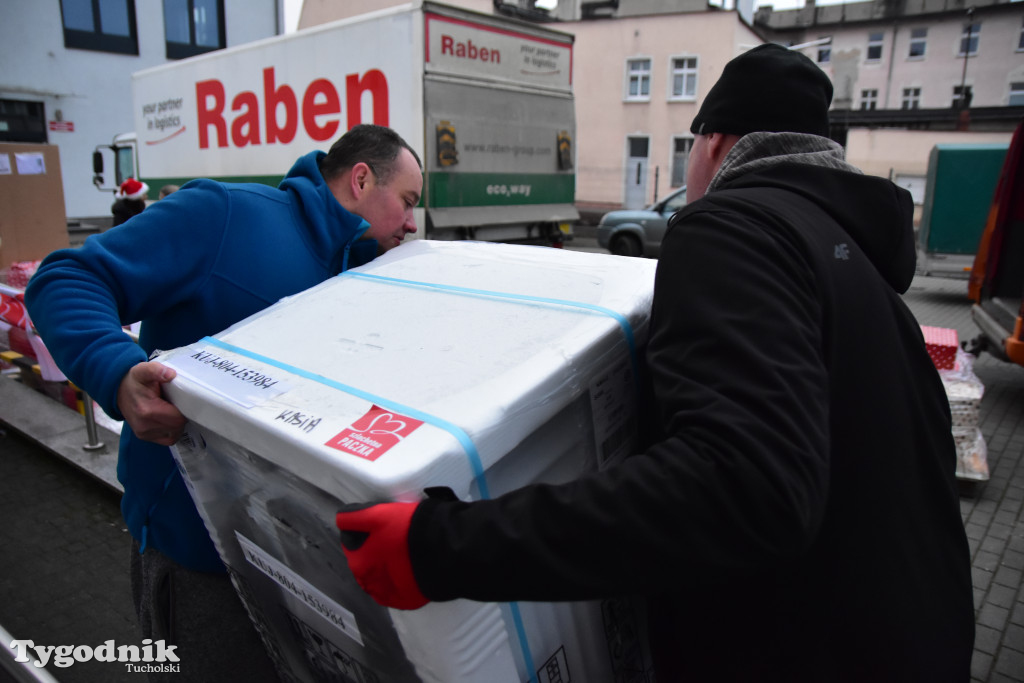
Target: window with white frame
684, 78
911, 98
868, 99
918, 43
1016, 94
875, 43
969, 40
680, 160
638, 73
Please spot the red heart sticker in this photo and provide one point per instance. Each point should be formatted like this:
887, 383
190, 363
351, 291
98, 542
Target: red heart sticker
374, 434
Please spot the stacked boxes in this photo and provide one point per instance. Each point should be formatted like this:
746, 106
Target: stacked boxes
964, 391
942, 345
478, 367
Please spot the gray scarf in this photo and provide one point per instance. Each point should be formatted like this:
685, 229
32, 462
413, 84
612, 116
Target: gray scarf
758, 151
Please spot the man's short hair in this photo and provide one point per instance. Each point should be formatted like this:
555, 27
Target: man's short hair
376, 146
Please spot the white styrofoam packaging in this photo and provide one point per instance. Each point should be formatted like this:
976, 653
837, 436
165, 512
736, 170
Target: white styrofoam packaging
477, 367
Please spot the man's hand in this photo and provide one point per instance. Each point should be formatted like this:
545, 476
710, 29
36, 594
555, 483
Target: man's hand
375, 540
141, 401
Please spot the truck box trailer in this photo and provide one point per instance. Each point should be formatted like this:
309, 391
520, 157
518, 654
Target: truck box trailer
961, 180
486, 101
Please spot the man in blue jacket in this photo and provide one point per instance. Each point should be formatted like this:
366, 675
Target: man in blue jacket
189, 266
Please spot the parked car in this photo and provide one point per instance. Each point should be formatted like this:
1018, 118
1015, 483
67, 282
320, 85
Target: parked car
631, 232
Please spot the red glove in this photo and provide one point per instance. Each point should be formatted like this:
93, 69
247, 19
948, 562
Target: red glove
375, 539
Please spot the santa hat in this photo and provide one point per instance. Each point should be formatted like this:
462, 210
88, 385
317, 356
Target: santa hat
132, 189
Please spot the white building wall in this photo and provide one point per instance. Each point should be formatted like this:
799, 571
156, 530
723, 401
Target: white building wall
92, 89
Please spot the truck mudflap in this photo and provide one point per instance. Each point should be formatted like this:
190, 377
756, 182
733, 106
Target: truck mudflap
996, 283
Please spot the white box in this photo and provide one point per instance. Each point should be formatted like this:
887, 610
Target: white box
479, 367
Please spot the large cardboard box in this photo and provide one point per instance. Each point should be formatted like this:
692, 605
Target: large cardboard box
478, 367
32, 219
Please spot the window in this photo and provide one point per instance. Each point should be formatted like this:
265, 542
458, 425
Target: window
868, 99
918, 43
22, 121
824, 54
968, 96
684, 78
1020, 40
969, 40
1016, 94
639, 73
101, 25
875, 42
192, 27
911, 98
680, 160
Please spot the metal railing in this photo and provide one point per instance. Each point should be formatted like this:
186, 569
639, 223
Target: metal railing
22, 672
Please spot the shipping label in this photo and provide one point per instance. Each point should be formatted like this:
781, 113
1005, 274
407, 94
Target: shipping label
612, 400
232, 379
300, 589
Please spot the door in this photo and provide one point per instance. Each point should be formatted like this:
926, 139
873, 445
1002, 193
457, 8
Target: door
636, 173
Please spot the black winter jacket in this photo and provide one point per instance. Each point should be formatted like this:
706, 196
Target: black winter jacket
796, 515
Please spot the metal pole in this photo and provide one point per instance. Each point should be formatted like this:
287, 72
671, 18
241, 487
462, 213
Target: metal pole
94, 443
967, 53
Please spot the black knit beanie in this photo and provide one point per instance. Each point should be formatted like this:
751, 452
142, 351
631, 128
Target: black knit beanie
769, 88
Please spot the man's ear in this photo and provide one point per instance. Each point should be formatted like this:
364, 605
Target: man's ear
360, 179
719, 145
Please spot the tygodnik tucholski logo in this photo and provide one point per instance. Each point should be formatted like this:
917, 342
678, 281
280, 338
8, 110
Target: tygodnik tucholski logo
150, 657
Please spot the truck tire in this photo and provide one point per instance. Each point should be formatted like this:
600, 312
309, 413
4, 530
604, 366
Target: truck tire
625, 245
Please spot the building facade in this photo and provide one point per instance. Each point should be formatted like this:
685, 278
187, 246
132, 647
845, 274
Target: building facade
67, 70
638, 84
915, 64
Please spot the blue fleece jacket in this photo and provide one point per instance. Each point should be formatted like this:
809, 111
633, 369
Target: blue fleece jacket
188, 266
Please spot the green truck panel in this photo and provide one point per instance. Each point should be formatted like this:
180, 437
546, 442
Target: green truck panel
961, 182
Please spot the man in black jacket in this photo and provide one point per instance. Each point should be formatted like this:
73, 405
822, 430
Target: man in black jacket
797, 517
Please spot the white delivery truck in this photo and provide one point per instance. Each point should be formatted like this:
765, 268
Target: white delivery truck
486, 101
